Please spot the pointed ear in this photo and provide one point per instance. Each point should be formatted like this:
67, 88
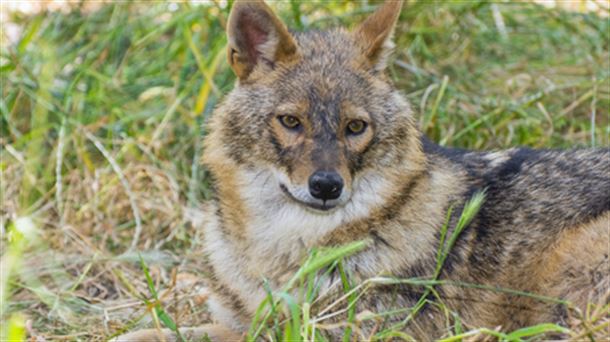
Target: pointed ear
375, 33
257, 37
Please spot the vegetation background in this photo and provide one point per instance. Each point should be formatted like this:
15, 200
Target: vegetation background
104, 105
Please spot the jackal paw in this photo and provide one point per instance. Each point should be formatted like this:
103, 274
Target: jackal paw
210, 332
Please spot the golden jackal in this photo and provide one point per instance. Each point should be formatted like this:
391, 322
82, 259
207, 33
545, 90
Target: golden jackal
315, 147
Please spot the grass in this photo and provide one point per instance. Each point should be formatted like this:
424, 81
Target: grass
102, 111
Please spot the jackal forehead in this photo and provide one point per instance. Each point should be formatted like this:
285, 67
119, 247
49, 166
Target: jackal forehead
328, 68
320, 90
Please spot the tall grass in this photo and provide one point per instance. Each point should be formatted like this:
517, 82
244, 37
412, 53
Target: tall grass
102, 115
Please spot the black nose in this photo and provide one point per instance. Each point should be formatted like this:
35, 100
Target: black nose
325, 185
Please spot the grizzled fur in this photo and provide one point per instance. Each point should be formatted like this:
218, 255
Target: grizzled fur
543, 227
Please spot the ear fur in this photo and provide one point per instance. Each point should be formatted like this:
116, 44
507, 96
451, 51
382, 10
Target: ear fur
375, 33
256, 37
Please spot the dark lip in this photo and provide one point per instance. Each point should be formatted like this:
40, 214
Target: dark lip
322, 207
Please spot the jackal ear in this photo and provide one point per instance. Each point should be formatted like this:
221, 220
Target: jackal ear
257, 37
375, 33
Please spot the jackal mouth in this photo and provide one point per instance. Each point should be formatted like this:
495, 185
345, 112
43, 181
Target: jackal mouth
324, 206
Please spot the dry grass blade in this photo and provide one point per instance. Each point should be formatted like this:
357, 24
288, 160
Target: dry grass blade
125, 183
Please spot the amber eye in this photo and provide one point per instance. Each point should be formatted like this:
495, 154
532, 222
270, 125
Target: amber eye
289, 121
356, 127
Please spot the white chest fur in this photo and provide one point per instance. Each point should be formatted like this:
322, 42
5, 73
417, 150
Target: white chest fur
280, 228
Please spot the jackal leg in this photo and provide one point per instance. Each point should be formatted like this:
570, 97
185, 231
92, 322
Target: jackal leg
212, 331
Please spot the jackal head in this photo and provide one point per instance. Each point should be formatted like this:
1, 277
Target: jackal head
315, 108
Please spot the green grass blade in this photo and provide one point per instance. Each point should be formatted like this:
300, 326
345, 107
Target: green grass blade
295, 317
15, 329
159, 312
539, 329
325, 258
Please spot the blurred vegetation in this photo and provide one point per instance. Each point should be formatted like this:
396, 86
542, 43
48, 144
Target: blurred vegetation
103, 109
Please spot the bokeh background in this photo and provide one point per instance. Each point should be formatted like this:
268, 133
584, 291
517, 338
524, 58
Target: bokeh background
104, 106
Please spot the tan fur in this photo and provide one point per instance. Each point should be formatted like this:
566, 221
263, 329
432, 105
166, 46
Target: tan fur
579, 251
574, 267
376, 31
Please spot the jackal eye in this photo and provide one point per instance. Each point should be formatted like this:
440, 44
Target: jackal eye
289, 121
356, 127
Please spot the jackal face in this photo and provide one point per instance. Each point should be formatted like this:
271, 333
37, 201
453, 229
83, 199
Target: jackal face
315, 107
